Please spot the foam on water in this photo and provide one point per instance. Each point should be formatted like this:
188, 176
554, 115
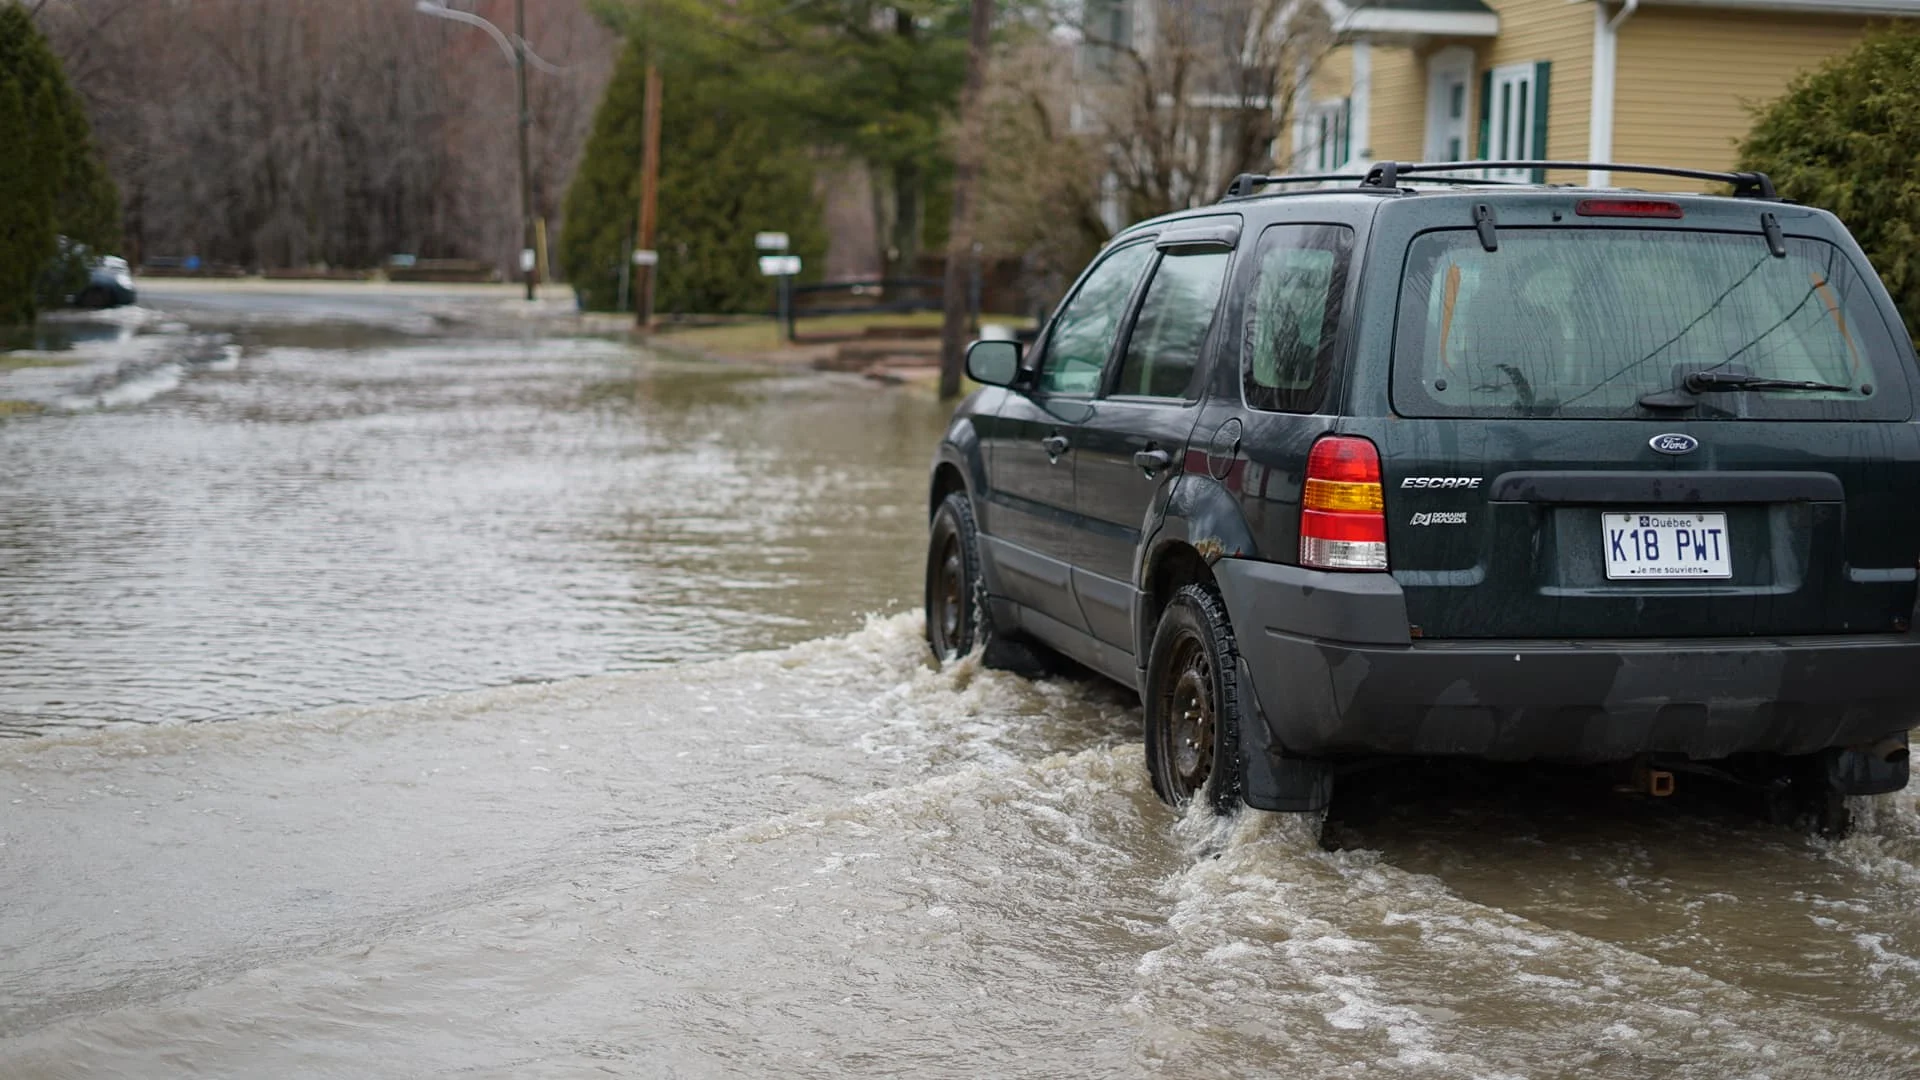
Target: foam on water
130, 386
143, 357
985, 869
1885, 841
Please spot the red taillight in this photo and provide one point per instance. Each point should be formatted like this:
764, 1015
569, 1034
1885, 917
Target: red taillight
1343, 521
1655, 208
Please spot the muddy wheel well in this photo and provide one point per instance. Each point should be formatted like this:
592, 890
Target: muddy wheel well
946, 481
1173, 569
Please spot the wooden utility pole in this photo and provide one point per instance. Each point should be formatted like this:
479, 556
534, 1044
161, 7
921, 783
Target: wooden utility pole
966, 169
526, 186
644, 274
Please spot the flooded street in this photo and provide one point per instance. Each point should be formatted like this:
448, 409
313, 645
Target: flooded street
574, 720
274, 511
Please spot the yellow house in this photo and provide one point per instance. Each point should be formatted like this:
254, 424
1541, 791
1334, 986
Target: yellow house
1668, 82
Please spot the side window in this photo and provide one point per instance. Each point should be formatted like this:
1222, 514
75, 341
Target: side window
1165, 344
1083, 332
1291, 334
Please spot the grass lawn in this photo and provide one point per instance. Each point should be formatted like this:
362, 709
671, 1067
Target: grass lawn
12, 362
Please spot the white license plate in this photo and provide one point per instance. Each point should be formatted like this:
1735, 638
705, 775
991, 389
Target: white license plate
1661, 544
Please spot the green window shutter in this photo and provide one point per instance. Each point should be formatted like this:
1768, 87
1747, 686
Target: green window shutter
1486, 114
1346, 130
1541, 72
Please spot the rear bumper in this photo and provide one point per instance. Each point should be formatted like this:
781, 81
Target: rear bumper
1335, 673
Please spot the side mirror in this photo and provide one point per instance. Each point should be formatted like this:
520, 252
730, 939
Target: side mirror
993, 363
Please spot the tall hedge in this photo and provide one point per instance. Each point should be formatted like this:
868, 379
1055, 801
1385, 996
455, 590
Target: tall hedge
728, 169
52, 183
1844, 138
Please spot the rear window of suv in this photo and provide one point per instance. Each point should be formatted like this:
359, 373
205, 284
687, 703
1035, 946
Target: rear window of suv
1584, 322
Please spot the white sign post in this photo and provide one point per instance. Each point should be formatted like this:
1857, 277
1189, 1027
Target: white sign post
782, 268
643, 257
770, 241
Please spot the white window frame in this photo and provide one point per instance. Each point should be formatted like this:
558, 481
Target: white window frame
1327, 135
1511, 96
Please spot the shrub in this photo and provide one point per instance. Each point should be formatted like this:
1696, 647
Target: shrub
1843, 138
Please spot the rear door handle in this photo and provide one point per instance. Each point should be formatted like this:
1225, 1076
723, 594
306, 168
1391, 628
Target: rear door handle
1152, 461
1054, 445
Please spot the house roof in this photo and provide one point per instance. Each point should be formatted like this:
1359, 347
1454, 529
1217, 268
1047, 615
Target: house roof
1451, 18
1425, 5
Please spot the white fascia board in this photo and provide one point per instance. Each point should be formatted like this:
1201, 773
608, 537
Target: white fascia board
1436, 23
1803, 7
1359, 17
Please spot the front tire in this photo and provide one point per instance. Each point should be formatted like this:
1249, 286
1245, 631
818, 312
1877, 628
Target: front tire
959, 618
1192, 703
954, 595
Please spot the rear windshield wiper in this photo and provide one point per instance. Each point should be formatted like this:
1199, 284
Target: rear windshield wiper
1711, 382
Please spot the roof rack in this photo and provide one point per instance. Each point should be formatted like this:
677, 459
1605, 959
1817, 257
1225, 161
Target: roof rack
1246, 183
1387, 174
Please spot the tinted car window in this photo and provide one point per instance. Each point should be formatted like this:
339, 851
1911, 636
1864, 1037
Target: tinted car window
1083, 332
1583, 323
1165, 344
1291, 331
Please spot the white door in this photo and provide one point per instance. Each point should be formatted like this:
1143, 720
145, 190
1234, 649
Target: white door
1448, 75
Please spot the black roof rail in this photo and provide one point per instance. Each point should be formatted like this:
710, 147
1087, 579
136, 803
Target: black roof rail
1387, 174
1246, 183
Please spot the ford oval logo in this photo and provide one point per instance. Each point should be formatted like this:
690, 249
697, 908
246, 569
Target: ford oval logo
1674, 443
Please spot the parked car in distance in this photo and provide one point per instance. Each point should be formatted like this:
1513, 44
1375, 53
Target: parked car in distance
109, 284
1509, 471
77, 277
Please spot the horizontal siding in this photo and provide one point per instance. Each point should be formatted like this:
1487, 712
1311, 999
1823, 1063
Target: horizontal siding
1556, 31
1688, 81
1399, 119
1332, 78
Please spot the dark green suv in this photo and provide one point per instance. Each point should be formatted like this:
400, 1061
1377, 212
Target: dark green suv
1516, 472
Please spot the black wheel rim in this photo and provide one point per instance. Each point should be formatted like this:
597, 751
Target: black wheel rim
949, 596
1187, 717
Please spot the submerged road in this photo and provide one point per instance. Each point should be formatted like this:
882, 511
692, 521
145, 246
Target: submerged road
563, 712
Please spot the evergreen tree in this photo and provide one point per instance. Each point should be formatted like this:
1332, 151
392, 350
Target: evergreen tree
602, 205
1842, 138
26, 210
52, 183
728, 168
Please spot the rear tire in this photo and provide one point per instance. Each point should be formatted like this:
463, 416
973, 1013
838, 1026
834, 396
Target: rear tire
1812, 798
959, 618
1193, 704
1832, 819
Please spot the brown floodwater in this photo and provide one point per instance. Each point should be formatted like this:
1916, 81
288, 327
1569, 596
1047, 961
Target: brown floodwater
574, 721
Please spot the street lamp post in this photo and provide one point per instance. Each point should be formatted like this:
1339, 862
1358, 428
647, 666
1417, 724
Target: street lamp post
516, 52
